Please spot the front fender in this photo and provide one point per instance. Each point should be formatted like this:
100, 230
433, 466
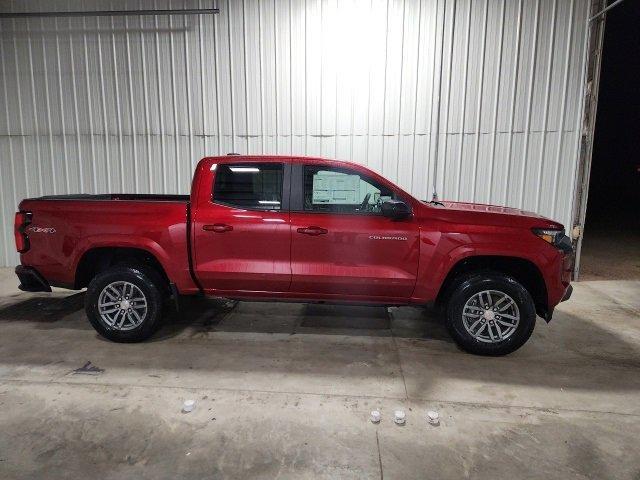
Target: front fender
441, 252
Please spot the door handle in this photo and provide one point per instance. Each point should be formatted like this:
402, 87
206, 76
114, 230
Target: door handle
217, 227
313, 231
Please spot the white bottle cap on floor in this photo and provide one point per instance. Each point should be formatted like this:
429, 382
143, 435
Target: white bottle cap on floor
433, 418
188, 406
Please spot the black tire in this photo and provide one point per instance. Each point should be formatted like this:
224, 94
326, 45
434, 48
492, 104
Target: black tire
150, 284
474, 284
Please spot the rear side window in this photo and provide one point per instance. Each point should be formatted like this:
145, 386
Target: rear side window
254, 186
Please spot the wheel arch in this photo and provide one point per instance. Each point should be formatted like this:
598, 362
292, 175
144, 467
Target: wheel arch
99, 259
523, 270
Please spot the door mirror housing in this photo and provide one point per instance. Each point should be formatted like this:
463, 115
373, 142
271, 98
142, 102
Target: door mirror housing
396, 209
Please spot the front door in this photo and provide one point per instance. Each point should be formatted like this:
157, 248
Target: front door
341, 243
242, 236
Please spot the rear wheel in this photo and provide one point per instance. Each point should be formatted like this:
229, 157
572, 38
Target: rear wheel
490, 314
124, 304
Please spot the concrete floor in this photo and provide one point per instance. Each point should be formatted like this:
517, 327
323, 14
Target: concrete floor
605, 238
285, 391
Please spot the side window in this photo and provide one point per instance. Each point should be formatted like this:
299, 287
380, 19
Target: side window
342, 191
254, 186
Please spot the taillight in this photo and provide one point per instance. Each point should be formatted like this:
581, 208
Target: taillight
20, 223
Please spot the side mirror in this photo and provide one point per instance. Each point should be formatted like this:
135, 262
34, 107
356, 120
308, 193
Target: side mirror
396, 209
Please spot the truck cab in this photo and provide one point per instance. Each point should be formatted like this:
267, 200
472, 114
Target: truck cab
302, 229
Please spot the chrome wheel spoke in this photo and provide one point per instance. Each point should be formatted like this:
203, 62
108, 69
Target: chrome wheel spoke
122, 318
114, 291
504, 309
113, 310
490, 332
110, 295
489, 299
137, 315
474, 309
472, 327
481, 329
500, 301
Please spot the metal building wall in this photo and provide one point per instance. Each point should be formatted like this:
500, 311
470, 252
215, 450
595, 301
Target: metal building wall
129, 104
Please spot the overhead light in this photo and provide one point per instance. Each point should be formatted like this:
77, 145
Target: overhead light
244, 169
268, 202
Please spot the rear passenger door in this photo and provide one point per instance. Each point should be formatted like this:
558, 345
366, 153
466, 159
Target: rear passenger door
242, 236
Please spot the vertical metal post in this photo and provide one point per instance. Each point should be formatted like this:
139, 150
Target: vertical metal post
587, 122
438, 100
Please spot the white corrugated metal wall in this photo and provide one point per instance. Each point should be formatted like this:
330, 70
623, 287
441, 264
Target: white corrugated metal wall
129, 104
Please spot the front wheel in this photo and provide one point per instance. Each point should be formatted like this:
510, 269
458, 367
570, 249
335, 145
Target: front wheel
490, 314
124, 304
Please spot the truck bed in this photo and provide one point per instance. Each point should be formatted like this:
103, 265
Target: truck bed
64, 228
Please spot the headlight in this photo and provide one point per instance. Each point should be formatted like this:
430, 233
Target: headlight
548, 235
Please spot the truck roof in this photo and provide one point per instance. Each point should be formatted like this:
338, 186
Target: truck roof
234, 157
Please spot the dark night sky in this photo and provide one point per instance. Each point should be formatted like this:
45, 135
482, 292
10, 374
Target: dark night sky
615, 179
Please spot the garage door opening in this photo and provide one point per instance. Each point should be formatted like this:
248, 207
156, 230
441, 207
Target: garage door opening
611, 244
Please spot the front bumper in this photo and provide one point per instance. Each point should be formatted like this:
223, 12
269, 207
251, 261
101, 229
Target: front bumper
548, 313
31, 280
559, 287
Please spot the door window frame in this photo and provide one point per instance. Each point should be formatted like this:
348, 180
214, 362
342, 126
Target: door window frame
286, 187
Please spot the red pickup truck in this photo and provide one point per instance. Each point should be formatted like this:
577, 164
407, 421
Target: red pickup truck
297, 229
